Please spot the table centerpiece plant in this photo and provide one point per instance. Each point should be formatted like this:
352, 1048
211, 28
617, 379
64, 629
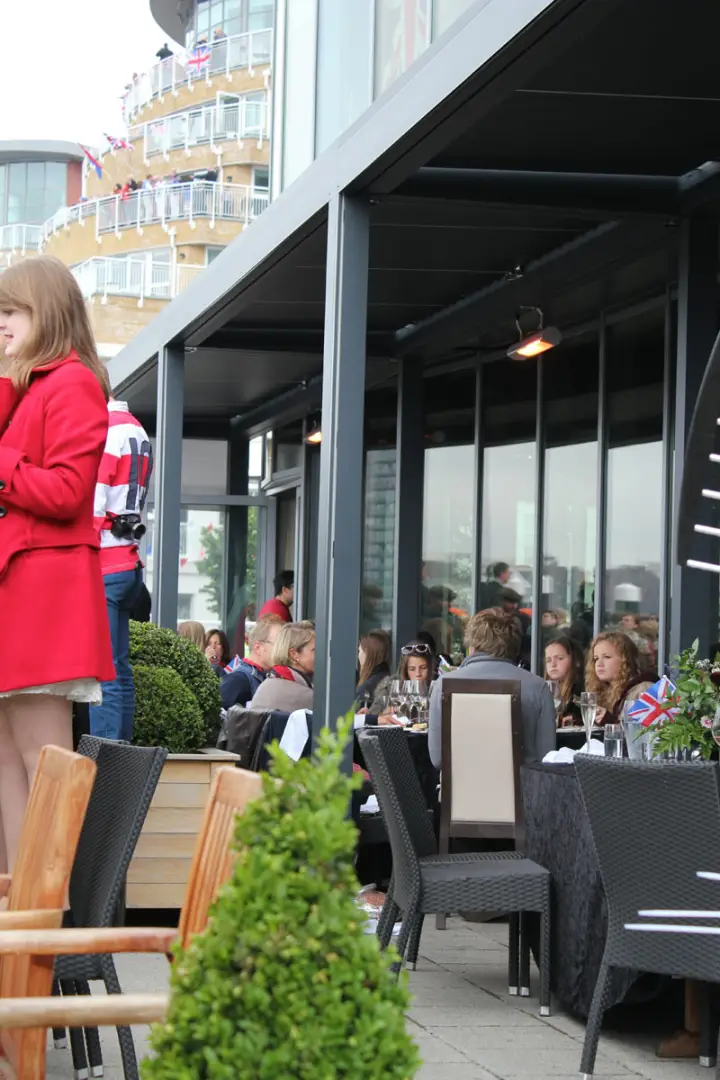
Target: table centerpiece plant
688, 712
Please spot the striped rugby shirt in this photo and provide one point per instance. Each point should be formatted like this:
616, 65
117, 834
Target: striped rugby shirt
122, 485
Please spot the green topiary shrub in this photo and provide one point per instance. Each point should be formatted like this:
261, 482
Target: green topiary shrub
285, 984
155, 646
166, 712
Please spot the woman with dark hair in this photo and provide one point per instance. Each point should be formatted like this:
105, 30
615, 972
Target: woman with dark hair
564, 662
374, 660
217, 650
417, 661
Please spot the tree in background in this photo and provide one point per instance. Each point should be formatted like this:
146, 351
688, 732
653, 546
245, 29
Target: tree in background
211, 565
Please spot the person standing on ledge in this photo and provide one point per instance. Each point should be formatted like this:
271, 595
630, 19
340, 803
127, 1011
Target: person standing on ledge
284, 585
119, 501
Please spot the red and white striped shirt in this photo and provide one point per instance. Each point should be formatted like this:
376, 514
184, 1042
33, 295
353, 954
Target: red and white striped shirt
122, 485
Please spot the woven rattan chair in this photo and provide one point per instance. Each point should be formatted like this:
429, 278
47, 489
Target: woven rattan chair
652, 826
424, 882
125, 783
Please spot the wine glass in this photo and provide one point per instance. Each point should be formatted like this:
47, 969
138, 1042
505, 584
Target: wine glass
419, 697
406, 702
395, 695
588, 708
554, 688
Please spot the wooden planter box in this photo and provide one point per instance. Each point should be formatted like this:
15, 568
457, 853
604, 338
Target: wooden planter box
159, 869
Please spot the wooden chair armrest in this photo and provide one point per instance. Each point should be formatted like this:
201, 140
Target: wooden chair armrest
5, 883
78, 940
112, 1010
44, 919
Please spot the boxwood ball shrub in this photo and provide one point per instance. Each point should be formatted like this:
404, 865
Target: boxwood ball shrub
166, 711
156, 646
284, 984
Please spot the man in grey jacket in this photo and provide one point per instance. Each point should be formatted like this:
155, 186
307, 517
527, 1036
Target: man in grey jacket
493, 642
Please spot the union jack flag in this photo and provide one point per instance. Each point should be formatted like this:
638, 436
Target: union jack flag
233, 665
117, 143
654, 703
199, 57
410, 36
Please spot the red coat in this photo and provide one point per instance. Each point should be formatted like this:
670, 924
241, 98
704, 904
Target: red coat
51, 590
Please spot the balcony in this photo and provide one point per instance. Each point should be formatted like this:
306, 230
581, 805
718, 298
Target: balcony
249, 51
133, 276
209, 126
199, 200
18, 240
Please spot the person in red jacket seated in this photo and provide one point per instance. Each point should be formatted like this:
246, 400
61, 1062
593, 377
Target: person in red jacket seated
284, 585
53, 425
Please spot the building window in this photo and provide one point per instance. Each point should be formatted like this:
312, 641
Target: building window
31, 191
229, 17
344, 67
402, 34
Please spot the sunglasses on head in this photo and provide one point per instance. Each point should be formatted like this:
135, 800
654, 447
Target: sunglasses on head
416, 650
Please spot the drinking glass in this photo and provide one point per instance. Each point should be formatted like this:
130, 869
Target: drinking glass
419, 700
395, 697
554, 688
613, 740
406, 691
588, 709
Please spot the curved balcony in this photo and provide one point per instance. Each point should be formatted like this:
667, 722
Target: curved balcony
134, 277
208, 126
249, 51
18, 241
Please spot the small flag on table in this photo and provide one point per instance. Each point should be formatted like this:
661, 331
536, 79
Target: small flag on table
93, 161
652, 704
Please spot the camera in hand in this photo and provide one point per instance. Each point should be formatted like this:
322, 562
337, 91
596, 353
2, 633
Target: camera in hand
127, 527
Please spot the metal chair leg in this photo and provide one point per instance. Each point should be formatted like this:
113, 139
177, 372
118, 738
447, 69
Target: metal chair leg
513, 954
524, 988
709, 1021
59, 1034
414, 943
77, 1040
92, 1040
544, 962
594, 1022
401, 944
124, 1034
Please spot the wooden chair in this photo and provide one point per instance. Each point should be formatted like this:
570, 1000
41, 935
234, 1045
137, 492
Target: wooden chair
38, 886
32, 1006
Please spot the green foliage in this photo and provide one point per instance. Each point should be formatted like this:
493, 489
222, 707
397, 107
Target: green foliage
212, 565
166, 712
696, 698
155, 646
285, 984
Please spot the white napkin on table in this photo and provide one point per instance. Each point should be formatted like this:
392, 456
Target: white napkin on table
565, 756
295, 735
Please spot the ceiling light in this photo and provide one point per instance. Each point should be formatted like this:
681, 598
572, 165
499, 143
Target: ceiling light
535, 344
314, 436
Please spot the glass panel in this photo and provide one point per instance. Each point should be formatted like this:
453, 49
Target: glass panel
448, 544
285, 525
344, 70
635, 351
16, 192
402, 34
246, 523
298, 126
445, 12
570, 379
378, 540
3, 209
201, 580
204, 467
55, 187
260, 15
508, 518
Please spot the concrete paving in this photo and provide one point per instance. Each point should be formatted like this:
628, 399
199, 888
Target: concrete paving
465, 1025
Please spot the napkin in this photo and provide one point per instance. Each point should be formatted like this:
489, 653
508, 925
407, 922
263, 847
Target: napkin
295, 735
564, 756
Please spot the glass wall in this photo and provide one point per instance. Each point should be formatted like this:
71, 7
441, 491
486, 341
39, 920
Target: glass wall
378, 540
214, 18
570, 386
298, 115
445, 12
402, 34
344, 67
31, 191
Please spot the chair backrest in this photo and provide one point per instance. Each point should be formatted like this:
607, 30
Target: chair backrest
231, 791
398, 790
401, 767
127, 777
482, 752
654, 826
243, 729
48, 841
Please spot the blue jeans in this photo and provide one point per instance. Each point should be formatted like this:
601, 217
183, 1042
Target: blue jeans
114, 718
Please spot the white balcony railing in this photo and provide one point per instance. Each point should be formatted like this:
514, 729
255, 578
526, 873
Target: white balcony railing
199, 200
237, 120
249, 51
133, 276
20, 238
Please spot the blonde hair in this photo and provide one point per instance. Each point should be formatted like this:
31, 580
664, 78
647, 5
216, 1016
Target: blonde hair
292, 636
193, 631
259, 632
494, 632
45, 290
608, 694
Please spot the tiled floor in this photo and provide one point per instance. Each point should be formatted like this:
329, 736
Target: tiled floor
465, 1025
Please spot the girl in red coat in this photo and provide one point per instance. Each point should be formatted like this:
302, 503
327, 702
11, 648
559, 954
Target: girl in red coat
53, 424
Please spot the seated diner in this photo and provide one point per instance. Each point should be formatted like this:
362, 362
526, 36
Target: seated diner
289, 682
615, 674
564, 664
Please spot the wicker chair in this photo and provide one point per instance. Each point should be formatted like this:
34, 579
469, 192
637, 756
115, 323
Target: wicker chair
124, 786
653, 825
424, 882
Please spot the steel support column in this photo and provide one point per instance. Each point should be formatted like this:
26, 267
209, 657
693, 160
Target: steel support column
694, 597
477, 571
236, 532
341, 459
538, 570
602, 469
168, 468
409, 492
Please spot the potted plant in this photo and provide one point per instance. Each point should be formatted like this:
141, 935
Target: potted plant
177, 705
685, 728
285, 981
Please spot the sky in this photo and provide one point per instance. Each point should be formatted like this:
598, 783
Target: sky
64, 76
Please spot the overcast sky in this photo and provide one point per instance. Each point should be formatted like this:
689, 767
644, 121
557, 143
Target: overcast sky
65, 65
